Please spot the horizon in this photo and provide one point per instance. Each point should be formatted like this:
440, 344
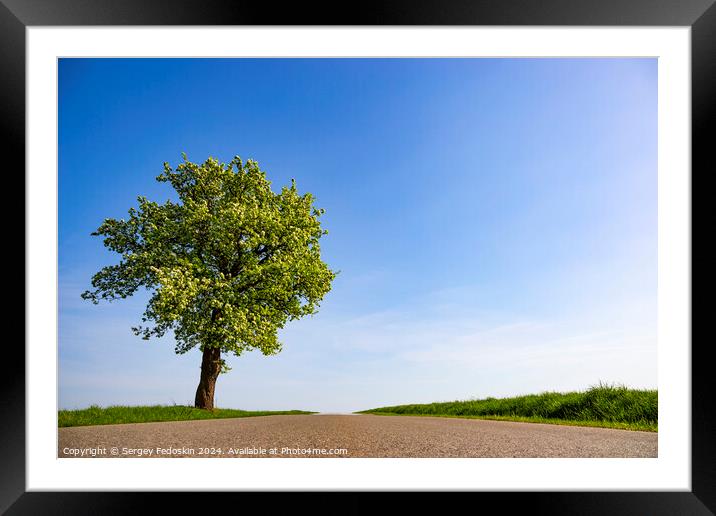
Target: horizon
494, 222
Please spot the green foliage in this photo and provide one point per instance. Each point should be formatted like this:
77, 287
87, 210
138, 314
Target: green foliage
118, 414
228, 264
616, 406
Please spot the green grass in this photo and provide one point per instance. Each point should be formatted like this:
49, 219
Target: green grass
117, 414
609, 406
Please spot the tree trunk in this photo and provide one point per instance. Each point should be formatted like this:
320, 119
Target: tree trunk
210, 369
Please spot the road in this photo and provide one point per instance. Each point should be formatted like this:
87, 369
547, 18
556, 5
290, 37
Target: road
351, 436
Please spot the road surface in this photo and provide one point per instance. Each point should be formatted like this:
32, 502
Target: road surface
351, 436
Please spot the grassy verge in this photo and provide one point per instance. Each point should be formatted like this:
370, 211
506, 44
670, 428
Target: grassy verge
113, 415
603, 405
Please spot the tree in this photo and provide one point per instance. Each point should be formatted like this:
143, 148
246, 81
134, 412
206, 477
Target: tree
227, 265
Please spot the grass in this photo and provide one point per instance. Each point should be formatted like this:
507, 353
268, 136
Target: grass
611, 406
117, 414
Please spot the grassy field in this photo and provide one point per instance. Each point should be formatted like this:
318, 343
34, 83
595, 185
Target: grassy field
95, 415
602, 405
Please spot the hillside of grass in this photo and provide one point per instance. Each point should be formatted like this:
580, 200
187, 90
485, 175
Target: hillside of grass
117, 414
601, 405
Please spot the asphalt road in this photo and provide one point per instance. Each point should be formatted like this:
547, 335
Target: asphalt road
359, 435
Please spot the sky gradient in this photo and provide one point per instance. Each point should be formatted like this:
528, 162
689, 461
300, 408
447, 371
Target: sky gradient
494, 222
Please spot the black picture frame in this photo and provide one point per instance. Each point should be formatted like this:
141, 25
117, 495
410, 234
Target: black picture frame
699, 15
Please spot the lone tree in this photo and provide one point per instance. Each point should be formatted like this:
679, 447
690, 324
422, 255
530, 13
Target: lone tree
227, 265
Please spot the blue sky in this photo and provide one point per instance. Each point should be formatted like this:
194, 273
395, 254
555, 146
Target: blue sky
494, 222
